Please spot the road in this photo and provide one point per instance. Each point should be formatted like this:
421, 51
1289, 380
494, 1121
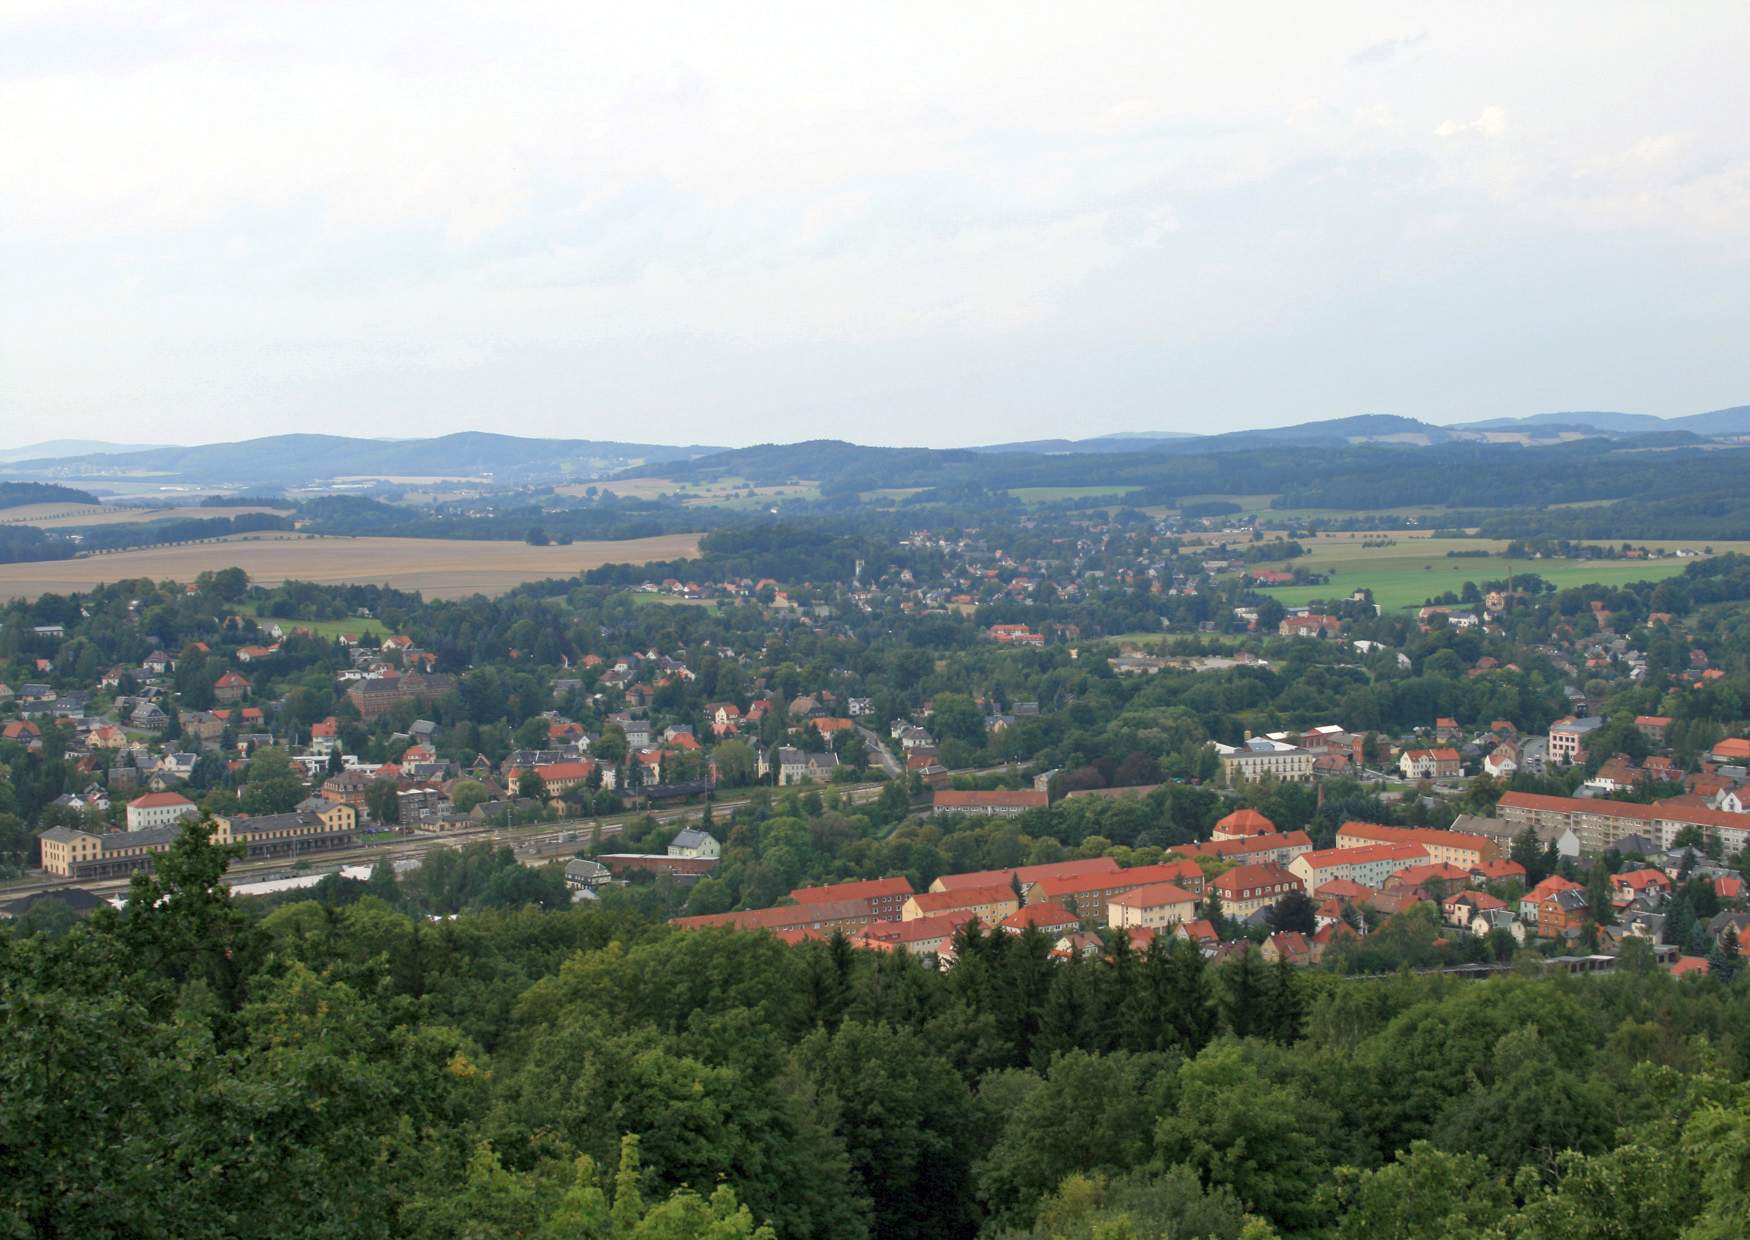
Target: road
889, 763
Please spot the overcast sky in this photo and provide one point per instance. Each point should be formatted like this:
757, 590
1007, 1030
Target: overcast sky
934, 223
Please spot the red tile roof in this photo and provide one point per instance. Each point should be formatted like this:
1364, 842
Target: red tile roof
158, 800
863, 889
1155, 896
1030, 873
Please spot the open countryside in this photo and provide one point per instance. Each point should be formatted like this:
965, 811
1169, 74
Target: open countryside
1407, 573
437, 567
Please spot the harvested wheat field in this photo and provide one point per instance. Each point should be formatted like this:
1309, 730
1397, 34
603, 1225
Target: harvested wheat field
437, 567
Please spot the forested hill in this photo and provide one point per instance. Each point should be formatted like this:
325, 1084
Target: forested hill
18, 494
1336, 475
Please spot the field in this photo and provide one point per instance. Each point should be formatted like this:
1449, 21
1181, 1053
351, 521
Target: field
63, 516
1404, 575
642, 598
1051, 495
329, 629
438, 567
727, 492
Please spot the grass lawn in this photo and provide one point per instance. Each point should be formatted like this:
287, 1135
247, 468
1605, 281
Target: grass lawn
329, 629
1404, 575
1051, 495
641, 598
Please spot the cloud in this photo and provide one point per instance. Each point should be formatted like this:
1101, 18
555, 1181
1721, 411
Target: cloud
1386, 49
1491, 122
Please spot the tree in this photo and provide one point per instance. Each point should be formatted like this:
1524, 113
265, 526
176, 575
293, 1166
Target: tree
736, 764
1294, 912
383, 801
530, 786
1722, 957
465, 794
1284, 1004
1425, 1192
907, 1120
1244, 1004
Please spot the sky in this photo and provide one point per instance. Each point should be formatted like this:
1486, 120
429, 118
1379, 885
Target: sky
930, 224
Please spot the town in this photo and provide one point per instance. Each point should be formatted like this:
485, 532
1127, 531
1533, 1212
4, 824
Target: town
1539, 772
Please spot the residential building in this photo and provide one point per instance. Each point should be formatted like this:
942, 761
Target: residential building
1247, 888
885, 897
1155, 906
1260, 758
1277, 849
1567, 737
1026, 875
824, 918
1369, 865
1052, 920
231, 687
990, 904
159, 809
1090, 896
1441, 763
1653, 727
796, 766
921, 936
1448, 847
1600, 824
691, 842
1242, 824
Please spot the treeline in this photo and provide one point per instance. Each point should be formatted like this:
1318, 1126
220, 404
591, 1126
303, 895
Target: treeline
19, 494
343, 1066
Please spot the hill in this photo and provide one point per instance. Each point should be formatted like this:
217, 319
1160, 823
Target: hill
18, 494
70, 447
294, 460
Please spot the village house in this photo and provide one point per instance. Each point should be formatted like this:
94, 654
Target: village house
692, 842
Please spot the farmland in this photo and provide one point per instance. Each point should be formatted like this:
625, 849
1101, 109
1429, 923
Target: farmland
438, 567
79, 516
727, 492
1410, 571
1051, 495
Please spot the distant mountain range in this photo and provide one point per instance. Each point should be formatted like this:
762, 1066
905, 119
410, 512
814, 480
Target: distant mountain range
1391, 428
70, 447
303, 460
291, 461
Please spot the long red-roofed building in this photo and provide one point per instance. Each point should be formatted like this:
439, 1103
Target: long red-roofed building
885, 897
920, 936
1278, 849
1027, 874
991, 903
1091, 895
1599, 823
844, 915
1459, 848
